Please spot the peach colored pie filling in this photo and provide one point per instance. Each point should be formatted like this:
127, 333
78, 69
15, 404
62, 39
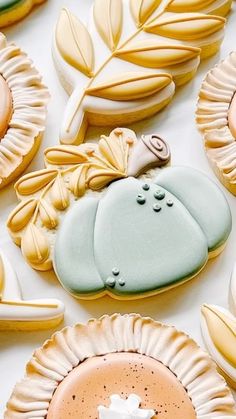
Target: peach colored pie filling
6, 107
232, 116
93, 382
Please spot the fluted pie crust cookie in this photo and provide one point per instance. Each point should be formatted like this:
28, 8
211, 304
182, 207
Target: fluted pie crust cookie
12, 11
215, 118
21, 315
118, 240
23, 103
126, 65
121, 355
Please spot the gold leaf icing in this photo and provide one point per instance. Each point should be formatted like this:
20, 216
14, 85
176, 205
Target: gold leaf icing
222, 330
74, 42
70, 172
108, 19
131, 86
186, 27
193, 5
142, 9
2, 277
150, 53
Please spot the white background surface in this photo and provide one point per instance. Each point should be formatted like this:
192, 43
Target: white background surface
180, 307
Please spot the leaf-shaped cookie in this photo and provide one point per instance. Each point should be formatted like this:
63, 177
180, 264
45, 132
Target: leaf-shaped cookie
33, 182
108, 19
34, 245
179, 6
186, 27
59, 194
98, 179
130, 86
63, 156
78, 180
142, 9
153, 54
74, 43
20, 217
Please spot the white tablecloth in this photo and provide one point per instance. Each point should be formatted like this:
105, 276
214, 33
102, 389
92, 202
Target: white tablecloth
180, 307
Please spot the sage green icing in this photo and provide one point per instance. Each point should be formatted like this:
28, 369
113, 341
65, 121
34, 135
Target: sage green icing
74, 259
149, 250
5, 5
203, 199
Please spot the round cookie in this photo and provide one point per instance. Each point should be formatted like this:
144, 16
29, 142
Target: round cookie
12, 11
215, 118
22, 111
125, 360
219, 333
107, 242
126, 65
21, 315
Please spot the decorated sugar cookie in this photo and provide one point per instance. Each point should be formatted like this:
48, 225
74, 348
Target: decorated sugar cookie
12, 11
219, 333
121, 367
107, 242
17, 314
216, 120
125, 66
23, 103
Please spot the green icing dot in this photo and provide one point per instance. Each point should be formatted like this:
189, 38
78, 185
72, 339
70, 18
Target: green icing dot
159, 195
141, 199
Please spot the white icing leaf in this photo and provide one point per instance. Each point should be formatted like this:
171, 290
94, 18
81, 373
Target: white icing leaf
142, 9
128, 409
108, 19
74, 42
130, 86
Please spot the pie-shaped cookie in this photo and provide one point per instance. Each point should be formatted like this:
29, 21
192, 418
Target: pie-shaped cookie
12, 11
148, 369
23, 103
126, 65
136, 238
216, 120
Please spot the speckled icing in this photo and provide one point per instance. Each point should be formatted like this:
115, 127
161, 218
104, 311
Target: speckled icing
120, 373
136, 223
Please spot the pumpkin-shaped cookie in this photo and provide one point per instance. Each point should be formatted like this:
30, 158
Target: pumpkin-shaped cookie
142, 238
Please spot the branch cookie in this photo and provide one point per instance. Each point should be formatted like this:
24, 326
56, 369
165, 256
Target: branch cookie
148, 369
216, 120
22, 111
107, 242
16, 314
219, 333
126, 65
12, 11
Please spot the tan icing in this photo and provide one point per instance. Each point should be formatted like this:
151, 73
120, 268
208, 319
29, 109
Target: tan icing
108, 19
222, 330
22, 113
71, 171
215, 119
93, 381
6, 107
194, 5
232, 116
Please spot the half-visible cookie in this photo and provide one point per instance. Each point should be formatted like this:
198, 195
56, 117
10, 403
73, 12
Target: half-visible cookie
12, 11
216, 120
136, 238
125, 66
148, 369
23, 103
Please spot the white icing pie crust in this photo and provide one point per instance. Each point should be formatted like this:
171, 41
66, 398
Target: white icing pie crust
128, 333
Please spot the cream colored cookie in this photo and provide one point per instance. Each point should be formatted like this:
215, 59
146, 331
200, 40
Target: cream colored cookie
215, 118
126, 65
22, 111
12, 11
125, 358
17, 314
105, 242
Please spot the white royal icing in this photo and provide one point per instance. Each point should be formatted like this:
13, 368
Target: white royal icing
125, 409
